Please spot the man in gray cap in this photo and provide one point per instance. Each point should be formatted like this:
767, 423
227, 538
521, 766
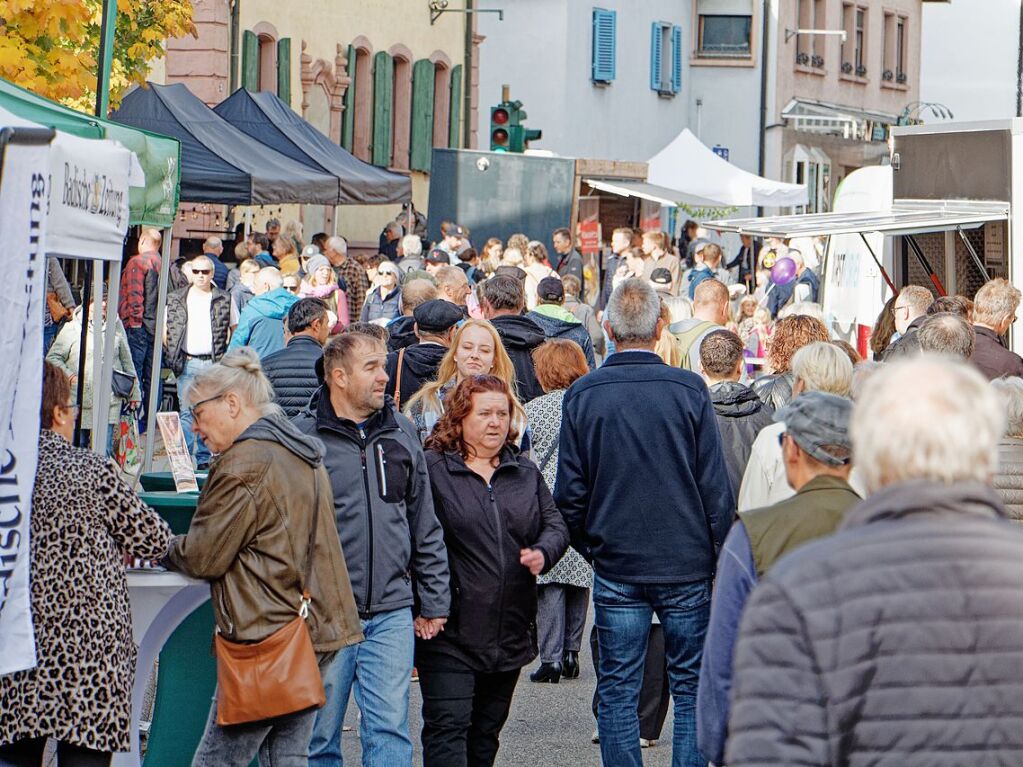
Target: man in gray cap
817, 453
408, 369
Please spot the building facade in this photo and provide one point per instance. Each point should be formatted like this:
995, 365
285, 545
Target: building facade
602, 80
387, 80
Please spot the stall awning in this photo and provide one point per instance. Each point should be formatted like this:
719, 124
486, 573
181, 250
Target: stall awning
219, 163
647, 191
154, 204
266, 118
904, 217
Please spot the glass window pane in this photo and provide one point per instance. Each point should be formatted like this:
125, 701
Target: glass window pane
725, 35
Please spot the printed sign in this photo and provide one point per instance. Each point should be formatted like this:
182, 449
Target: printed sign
177, 452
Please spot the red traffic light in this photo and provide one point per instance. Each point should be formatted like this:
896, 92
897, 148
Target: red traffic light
499, 116
499, 137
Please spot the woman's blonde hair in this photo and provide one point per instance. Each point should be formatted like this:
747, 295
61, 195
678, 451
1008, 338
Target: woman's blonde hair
536, 251
429, 395
238, 371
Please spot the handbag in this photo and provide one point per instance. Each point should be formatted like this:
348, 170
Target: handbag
278, 675
122, 384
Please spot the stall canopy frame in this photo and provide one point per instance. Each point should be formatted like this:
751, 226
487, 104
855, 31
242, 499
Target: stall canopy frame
647, 191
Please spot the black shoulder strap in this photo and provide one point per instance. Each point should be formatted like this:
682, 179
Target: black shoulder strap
550, 452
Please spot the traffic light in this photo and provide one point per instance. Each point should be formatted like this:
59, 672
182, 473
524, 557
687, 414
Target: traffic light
500, 116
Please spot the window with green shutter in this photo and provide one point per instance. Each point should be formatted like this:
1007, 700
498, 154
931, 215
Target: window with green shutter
250, 61
383, 106
422, 115
454, 123
284, 70
348, 118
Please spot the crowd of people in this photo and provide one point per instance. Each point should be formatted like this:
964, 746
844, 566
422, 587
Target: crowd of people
441, 460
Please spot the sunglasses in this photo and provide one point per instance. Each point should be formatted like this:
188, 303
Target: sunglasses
202, 271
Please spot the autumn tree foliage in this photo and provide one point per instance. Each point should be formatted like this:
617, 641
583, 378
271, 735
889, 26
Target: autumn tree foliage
51, 47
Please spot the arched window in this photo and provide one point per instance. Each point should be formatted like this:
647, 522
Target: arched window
441, 102
267, 63
362, 117
401, 110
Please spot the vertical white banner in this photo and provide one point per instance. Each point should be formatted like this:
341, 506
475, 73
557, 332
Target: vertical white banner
23, 210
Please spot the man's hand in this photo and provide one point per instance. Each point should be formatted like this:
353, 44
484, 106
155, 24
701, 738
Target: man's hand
532, 559
428, 628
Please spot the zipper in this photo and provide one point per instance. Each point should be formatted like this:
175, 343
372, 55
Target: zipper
382, 469
500, 552
369, 520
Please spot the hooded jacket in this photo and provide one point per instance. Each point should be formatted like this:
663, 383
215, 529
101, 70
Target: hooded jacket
894, 641
740, 415
419, 366
292, 373
492, 627
520, 335
401, 333
261, 323
383, 509
559, 322
250, 535
588, 317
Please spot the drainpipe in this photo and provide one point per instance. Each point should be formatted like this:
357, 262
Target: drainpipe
470, 28
762, 155
235, 34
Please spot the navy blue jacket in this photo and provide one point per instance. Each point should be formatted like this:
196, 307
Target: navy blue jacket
642, 480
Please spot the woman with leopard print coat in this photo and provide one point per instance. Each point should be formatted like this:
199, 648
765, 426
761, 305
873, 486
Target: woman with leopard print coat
84, 517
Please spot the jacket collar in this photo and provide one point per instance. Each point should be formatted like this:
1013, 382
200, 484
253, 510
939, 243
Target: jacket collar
633, 357
825, 482
382, 420
301, 340
980, 330
918, 497
456, 464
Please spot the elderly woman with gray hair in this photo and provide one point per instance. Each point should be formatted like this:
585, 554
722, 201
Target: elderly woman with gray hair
1008, 481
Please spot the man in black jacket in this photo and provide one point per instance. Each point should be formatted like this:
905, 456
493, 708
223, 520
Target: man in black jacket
994, 312
503, 302
895, 640
643, 485
408, 369
292, 370
739, 411
393, 545
910, 312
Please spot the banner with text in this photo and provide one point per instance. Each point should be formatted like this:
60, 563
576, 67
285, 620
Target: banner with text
23, 209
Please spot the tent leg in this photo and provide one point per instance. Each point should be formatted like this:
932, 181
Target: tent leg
154, 378
878, 262
105, 391
97, 359
248, 222
80, 386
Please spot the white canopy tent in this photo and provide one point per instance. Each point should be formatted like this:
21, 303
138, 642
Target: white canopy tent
690, 167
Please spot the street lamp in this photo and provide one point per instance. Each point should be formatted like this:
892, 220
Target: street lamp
940, 111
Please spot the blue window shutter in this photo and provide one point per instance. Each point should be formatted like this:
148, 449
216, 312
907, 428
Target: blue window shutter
676, 59
604, 44
655, 56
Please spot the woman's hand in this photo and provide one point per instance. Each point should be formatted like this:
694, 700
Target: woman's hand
532, 559
428, 628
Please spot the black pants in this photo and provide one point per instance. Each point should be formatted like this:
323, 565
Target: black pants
29, 753
463, 713
655, 693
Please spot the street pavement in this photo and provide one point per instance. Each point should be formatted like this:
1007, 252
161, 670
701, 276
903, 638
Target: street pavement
550, 725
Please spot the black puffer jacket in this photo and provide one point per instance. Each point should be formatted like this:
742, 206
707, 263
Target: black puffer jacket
740, 415
520, 335
893, 643
177, 326
419, 366
492, 626
292, 371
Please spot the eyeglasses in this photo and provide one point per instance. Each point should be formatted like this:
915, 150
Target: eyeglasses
194, 410
202, 271
901, 308
781, 438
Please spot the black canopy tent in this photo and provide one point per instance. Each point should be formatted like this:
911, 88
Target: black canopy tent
267, 119
219, 163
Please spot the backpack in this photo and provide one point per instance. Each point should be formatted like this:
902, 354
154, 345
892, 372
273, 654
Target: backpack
687, 338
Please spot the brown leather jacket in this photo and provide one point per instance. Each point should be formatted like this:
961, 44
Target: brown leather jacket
250, 535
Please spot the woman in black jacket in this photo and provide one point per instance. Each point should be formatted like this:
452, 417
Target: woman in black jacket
501, 529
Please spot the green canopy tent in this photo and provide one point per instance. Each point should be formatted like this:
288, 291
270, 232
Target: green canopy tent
155, 204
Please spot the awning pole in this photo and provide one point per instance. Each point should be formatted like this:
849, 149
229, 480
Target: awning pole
101, 396
873, 255
973, 254
154, 377
97, 357
926, 265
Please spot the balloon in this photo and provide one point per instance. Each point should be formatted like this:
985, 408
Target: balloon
784, 271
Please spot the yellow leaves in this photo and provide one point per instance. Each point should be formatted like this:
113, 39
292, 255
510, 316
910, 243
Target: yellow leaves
51, 46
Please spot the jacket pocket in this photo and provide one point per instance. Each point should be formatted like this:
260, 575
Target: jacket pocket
393, 469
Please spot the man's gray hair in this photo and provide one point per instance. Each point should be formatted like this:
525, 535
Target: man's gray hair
212, 243
338, 244
503, 293
1011, 391
411, 246
803, 309
394, 228
947, 333
930, 418
823, 367
633, 311
996, 300
270, 276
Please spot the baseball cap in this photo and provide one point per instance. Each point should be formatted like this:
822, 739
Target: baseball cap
437, 256
455, 231
309, 251
818, 420
660, 276
550, 289
437, 316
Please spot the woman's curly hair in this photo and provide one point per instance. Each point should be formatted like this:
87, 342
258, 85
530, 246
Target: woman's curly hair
790, 335
447, 434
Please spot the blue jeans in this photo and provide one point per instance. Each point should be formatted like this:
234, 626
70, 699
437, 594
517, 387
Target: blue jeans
49, 334
622, 615
140, 343
192, 366
380, 670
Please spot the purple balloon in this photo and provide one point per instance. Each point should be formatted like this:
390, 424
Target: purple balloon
783, 271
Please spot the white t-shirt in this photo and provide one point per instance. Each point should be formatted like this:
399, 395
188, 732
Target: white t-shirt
199, 329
